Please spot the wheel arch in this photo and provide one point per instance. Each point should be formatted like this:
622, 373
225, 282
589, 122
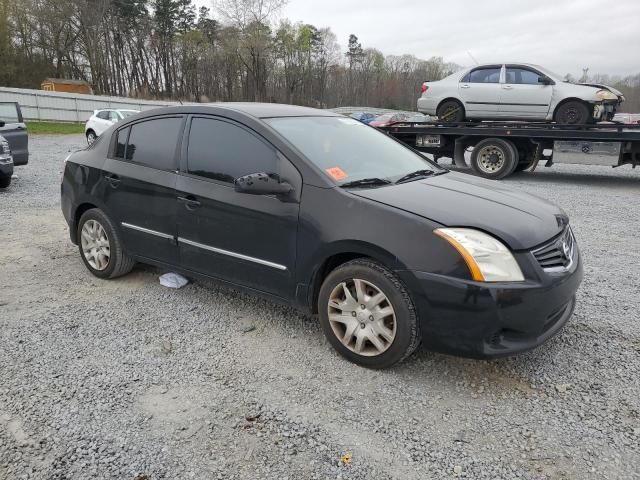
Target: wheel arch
572, 99
339, 254
447, 99
77, 215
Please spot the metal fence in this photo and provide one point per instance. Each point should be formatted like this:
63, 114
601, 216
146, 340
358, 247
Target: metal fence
69, 107
46, 106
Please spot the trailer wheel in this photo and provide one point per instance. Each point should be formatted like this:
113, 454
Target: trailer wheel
494, 158
522, 166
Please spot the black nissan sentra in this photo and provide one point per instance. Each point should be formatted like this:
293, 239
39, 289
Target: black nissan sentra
320, 211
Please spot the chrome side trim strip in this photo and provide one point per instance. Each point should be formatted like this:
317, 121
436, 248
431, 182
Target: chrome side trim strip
146, 230
232, 254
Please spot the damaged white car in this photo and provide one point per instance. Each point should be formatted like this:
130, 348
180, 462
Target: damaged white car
517, 92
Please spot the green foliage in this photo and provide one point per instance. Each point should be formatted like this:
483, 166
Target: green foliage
54, 128
166, 49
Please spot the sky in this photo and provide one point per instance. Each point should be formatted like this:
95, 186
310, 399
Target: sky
562, 35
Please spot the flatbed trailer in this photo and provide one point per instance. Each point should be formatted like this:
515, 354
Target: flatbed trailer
502, 148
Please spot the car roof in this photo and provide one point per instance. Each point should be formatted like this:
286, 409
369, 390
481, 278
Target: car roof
253, 109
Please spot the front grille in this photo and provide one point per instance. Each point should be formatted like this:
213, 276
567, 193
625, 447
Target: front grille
557, 255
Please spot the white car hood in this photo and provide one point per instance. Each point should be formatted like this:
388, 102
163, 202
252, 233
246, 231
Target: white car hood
605, 87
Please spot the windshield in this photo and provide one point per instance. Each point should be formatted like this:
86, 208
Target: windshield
347, 150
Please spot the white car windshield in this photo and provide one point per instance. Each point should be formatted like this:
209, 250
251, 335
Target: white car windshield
347, 150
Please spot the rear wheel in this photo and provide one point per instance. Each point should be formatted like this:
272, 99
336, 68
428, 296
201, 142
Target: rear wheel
450, 111
5, 181
367, 314
101, 247
573, 113
494, 158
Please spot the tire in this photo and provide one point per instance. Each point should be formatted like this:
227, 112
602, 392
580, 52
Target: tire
5, 181
494, 158
522, 166
573, 113
91, 137
395, 314
450, 111
117, 262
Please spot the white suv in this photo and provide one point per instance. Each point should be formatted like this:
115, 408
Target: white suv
103, 119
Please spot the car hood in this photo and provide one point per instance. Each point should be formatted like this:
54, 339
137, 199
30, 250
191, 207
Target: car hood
453, 199
604, 87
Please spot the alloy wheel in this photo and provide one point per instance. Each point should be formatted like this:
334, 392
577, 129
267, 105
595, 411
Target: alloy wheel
95, 245
362, 317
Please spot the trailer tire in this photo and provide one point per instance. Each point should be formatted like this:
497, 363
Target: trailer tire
494, 158
522, 166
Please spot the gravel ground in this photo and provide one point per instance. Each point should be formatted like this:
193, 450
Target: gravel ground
126, 379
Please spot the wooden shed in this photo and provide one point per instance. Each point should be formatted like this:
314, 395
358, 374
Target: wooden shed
64, 85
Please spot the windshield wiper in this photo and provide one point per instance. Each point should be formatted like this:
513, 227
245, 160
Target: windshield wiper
416, 174
366, 182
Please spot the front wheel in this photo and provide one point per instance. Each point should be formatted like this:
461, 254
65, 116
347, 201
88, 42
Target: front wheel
101, 247
573, 113
91, 137
367, 314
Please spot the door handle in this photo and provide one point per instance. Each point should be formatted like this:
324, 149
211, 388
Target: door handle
113, 180
190, 202
507, 87
465, 86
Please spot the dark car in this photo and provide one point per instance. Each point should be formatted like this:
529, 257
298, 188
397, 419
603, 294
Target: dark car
318, 210
14, 130
6, 163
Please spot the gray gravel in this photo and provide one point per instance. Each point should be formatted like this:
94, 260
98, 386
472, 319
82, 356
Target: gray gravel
126, 379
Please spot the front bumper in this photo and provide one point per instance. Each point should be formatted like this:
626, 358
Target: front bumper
486, 320
605, 110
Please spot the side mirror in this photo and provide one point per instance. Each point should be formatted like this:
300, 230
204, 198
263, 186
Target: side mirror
545, 80
262, 184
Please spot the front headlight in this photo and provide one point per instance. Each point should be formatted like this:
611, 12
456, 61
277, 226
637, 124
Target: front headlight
606, 95
488, 259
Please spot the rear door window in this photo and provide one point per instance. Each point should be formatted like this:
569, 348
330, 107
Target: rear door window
223, 151
9, 113
153, 143
483, 75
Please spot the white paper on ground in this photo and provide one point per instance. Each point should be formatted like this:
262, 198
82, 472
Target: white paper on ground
173, 280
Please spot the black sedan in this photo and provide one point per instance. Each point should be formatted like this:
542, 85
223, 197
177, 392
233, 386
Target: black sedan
320, 211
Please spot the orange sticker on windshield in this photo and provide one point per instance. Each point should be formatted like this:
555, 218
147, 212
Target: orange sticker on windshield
336, 173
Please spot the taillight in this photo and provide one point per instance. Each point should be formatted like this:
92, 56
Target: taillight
424, 88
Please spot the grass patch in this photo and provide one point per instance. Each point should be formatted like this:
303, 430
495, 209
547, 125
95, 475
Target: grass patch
54, 128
